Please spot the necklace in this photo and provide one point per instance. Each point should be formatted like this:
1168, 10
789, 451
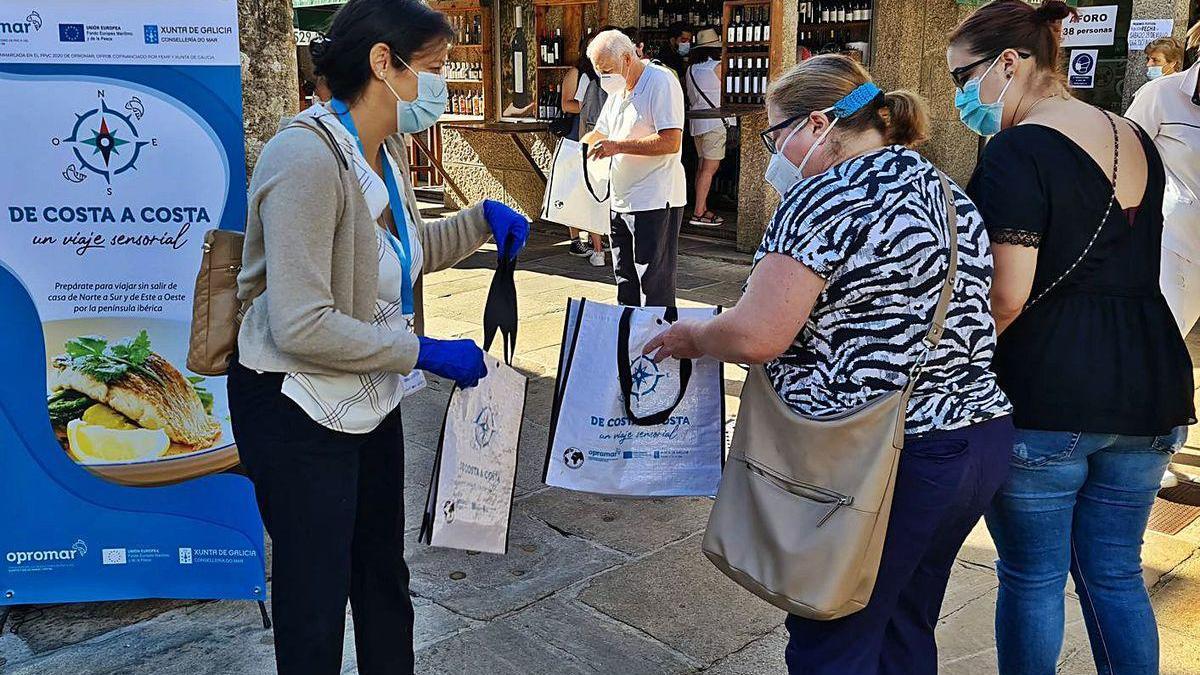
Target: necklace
1035, 105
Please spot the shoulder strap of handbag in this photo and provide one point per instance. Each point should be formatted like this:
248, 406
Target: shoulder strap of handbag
934, 335
707, 100
626, 377
1103, 219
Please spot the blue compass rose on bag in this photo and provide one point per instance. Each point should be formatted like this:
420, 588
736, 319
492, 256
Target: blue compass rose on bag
645, 375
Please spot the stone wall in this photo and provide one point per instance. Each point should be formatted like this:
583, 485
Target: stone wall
506, 175
909, 41
269, 81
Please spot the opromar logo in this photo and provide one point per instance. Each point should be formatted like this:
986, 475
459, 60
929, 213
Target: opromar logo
78, 550
32, 22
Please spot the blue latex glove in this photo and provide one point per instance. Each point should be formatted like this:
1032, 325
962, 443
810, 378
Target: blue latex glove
458, 360
510, 228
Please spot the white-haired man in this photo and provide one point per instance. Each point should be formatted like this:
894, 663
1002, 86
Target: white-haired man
641, 129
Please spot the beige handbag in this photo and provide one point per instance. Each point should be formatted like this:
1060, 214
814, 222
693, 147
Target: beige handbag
803, 507
216, 310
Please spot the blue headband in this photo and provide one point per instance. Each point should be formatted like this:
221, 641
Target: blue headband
855, 100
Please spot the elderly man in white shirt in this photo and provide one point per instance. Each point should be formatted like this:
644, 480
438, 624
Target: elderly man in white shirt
1168, 108
641, 129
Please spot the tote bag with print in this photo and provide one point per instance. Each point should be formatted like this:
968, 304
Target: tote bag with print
624, 425
577, 193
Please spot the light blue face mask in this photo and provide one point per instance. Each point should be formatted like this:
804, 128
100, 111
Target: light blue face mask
1154, 72
423, 111
684, 48
982, 118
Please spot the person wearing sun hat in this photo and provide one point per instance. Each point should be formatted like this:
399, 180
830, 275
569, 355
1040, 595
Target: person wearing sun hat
703, 84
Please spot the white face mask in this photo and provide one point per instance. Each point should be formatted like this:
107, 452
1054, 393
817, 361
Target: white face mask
612, 83
781, 173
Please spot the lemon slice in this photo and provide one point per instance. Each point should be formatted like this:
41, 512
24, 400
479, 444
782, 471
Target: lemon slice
94, 444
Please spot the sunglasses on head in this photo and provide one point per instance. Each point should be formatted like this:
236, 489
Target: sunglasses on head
961, 75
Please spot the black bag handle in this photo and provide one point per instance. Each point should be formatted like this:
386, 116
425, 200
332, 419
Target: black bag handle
500, 310
711, 105
626, 378
587, 180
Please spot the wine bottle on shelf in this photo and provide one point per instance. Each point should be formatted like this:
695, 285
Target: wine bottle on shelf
558, 47
517, 47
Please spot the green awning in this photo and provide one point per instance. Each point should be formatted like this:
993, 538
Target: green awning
313, 15
331, 4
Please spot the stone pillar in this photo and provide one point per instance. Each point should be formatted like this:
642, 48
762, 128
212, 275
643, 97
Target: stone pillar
908, 47
1135, 69
270, 89
757, 200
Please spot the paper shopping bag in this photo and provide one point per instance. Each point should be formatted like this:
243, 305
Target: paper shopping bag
474, 475
624, 425
471, 494
577, 193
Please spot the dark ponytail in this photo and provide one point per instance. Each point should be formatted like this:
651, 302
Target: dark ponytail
342, 56
1015, 24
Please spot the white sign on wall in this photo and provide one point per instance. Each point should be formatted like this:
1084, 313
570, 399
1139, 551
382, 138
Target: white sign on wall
1092, 27
1144, 31
1081, 70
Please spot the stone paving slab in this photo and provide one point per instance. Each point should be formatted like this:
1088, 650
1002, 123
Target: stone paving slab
764, 656
966, 642
679, 598
1177, 601
46, 628
551, 636
483, 586
631, 526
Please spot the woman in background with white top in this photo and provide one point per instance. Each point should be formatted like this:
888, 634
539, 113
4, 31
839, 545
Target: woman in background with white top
703, 84
1168, 108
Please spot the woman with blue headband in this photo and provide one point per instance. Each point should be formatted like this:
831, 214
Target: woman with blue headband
838, 306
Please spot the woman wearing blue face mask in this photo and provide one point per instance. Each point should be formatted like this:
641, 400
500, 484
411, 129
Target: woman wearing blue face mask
843, 290
1098, 374
335, 246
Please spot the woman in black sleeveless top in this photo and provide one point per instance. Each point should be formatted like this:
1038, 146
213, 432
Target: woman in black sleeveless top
1099, 377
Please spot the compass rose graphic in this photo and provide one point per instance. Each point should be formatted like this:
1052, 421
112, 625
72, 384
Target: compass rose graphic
646, 375
105, 142
485, 427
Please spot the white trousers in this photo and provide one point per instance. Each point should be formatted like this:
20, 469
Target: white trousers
1180, 281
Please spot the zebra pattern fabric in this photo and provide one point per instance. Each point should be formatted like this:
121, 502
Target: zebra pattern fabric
874, 228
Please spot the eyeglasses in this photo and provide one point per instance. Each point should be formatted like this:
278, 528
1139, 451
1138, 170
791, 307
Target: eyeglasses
960, 74
768, 136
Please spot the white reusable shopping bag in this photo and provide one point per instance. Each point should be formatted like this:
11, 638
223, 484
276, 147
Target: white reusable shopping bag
577, 193
623, 425
471, 494
474, 475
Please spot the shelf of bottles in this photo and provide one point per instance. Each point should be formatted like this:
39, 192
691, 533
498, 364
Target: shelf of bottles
468, 68
561, 28
657, 17
747, 52
834, 27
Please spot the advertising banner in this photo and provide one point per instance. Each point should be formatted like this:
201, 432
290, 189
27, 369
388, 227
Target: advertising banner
1144, 31
118, 471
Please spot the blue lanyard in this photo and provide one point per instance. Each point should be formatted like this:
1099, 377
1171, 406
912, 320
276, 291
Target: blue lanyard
401, 246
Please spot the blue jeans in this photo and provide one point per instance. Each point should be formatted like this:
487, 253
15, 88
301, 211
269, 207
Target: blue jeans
1077, 502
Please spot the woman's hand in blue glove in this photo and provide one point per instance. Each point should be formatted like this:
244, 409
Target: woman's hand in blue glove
510, 228
458, 360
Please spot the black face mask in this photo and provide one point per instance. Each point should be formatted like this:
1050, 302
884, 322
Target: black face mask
500, 311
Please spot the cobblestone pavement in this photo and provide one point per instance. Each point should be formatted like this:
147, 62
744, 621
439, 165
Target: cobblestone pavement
591, 584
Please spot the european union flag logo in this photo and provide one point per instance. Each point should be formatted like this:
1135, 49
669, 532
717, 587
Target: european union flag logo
151, 31
71, 32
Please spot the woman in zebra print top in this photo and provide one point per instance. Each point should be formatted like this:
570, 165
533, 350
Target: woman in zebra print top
843, 290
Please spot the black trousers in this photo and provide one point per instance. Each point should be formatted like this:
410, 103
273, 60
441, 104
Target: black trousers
645, 248
333, 504
945, 482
